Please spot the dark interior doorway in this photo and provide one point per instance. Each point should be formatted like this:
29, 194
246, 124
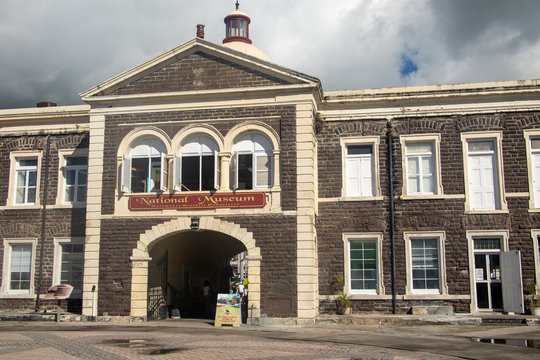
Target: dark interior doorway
180, 266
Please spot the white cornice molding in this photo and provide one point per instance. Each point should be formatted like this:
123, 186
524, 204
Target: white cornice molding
201, 96
434, 91
32, 121
435, 100
384, 112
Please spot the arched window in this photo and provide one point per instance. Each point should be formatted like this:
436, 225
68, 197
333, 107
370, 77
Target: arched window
197, 166
145, 168
252, 162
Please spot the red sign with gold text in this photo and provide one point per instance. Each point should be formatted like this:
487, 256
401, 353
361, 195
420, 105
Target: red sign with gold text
197, 201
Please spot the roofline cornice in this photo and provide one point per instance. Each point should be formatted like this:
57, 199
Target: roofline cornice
200, 95
458, 91
57, 113
395, 112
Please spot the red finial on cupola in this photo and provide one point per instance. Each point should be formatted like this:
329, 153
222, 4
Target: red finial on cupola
237, 27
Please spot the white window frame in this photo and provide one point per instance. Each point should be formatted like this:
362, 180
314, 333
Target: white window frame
440, 236
57, 269
535, 235
6, 274
503, 235
255, 154
347, 238
496, 137
435, 139
374, 142
534, 202
177, 164
126, 166
63, 155
15, 156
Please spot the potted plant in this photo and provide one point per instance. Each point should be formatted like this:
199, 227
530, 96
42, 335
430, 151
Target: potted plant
343, 299
533, 301
345, 303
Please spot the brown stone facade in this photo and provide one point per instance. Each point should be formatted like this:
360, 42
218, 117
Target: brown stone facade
19, 223
278, 268
282, 121
445, 214
199, 71
275, 234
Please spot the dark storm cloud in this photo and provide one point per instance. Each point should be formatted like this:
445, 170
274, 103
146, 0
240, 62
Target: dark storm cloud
54, 49
464, 23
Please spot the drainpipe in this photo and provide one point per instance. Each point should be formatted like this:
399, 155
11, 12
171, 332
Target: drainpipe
43, 220
389, 139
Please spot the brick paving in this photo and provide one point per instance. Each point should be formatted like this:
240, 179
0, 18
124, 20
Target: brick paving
156, 345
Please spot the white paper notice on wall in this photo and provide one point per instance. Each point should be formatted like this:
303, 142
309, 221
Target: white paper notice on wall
479, 274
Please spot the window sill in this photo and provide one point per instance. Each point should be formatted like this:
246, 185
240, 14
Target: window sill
424, 296
502, 211
368, 297
68, 206
360, 198
20, 207
424, 197
17, 296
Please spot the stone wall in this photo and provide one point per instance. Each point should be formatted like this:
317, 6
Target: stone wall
26, 223
445, 214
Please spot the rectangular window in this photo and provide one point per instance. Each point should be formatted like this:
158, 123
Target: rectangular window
18, 275
20, 269
483, 172
145, 174
26, 183
532, 144
421, 165
359, 170
75, 176
535, 164
360, 167
363, 263
245, 171
69, 256
420, 168
425, 263
482, 180
263, 165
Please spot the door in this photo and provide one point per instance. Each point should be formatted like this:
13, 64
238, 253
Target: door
488, 281
512, 284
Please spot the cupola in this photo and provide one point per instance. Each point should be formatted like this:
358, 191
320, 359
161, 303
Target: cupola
237, 34
237, 26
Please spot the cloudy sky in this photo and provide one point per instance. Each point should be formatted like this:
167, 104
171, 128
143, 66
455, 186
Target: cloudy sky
54, 49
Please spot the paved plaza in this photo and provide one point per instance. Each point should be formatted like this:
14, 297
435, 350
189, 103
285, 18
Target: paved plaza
185, 339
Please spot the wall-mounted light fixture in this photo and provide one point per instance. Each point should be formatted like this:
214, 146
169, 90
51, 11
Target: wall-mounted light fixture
194, 223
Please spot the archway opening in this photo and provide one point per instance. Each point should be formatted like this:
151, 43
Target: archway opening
183, 263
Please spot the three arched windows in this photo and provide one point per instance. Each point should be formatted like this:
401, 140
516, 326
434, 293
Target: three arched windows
196, 165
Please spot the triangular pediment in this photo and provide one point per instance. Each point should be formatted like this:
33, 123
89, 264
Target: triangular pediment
198, 65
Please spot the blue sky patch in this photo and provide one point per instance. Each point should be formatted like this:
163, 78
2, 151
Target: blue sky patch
408, 66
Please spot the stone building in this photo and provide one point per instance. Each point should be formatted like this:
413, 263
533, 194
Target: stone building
209, 151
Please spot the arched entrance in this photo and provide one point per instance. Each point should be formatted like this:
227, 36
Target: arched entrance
179, 260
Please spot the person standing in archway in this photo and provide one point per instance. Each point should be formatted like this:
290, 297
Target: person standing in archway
206, 299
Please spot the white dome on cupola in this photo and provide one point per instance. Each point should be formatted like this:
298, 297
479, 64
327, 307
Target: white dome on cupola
237, 34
